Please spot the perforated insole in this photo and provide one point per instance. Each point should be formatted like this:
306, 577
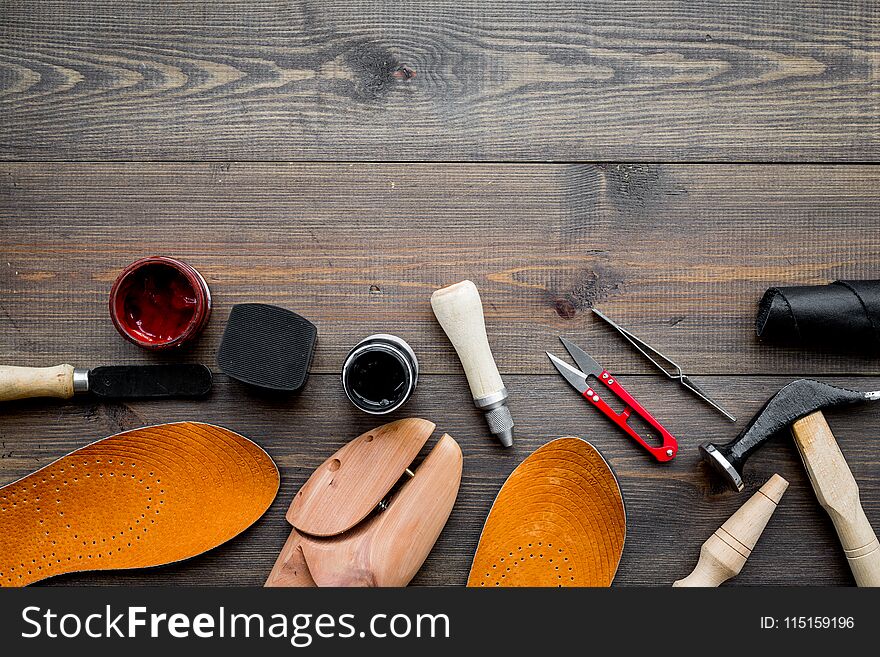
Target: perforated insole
558, 520
141, 498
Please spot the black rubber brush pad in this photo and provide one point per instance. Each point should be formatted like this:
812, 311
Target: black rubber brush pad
267, 347
842, 316
150, 381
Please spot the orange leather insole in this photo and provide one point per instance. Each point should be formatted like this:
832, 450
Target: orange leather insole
141, 498
558, 520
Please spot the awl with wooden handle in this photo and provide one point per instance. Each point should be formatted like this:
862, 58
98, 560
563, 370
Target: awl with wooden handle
725, 553
114, 382
459, 310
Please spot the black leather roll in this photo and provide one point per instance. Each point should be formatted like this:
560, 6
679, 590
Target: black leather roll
841, 316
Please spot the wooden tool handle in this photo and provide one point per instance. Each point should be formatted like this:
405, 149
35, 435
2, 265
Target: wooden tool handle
718, 563
25, 382
838, 493
460, 312
725, 553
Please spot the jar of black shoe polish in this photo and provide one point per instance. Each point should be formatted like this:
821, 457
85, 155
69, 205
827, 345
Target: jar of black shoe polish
380, 373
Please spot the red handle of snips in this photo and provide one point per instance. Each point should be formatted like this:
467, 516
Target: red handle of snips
663, 453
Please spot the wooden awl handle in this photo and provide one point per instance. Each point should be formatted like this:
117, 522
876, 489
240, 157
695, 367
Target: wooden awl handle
838, 493
459, 310
725, 553
25, 382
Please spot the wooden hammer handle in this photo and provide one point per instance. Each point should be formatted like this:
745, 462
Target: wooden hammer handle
838, 493
25, 382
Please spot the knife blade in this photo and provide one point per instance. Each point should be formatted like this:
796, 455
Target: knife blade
586, 362
575, 377
111, 382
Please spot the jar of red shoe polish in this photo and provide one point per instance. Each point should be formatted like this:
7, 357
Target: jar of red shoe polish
160, 303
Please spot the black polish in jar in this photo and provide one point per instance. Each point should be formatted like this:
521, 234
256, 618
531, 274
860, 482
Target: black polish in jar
380, 374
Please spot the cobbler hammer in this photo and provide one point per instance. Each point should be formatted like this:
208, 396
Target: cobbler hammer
799, 405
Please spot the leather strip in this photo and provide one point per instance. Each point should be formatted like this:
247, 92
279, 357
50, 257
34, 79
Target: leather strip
841, 316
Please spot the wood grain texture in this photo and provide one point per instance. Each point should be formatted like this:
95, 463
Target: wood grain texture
671, 509
678, 254
331, 503
387, 548
25, 382
363, 80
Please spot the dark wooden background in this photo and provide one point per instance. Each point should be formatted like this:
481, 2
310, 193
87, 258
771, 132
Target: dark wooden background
663, 161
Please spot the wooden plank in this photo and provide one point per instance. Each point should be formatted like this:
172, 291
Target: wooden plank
680, 254
473, 80
671, 508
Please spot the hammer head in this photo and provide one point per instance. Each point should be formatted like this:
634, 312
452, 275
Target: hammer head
796, 400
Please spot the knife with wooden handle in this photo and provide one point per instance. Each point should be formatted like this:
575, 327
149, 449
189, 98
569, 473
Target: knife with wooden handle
114, 382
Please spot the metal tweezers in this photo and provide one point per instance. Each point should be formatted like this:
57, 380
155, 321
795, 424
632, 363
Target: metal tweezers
674, 372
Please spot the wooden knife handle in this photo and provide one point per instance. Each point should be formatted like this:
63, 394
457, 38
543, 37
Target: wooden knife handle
459, 310
838, 493
25, 382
